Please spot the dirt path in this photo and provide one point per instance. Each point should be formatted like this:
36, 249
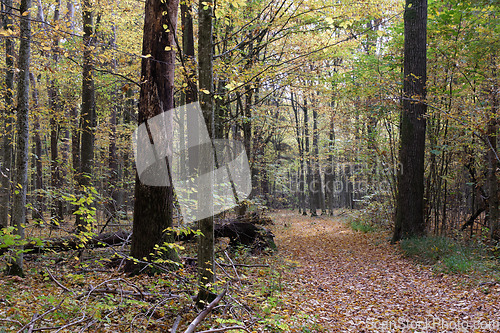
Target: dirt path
355, 282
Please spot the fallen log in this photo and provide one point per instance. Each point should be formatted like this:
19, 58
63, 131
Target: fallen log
74, 242
247, 234
239, 233
471, 220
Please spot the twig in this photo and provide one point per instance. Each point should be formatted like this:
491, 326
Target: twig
73, 323
57, 282
112, 291
12, 321
176, 324
232, 265
243, 265
232, 278
59, 328
36, 317
223, 329
204, 313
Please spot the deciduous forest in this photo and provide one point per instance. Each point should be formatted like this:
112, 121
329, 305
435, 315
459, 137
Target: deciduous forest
249, 166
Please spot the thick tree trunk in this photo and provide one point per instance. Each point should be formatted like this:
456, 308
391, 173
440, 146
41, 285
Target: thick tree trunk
7, 150
493, 199
492, 178
55, 130
153, 206
88, 106
410, 198
206, 268
22, 152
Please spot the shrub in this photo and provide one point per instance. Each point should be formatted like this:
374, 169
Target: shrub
445, 254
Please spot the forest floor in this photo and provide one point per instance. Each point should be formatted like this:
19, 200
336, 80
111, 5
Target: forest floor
357, 282
325, 277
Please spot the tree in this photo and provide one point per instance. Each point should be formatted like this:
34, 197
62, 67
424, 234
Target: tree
22, 147
55, 130
206, 267
6, 166
410, 198
88, 105
153, 206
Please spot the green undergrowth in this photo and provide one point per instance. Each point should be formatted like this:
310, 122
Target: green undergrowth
362, 226
89, 295
451, 256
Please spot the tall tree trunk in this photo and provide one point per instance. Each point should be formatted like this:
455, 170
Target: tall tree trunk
318, 188
153, 206
127, 118
38, 204
75, 143
493, 187
113, 170
300, 145
191, 91
307, 154
330, 170
88, 105
21, 178
55, 129
206, 269
6, 166
410, 198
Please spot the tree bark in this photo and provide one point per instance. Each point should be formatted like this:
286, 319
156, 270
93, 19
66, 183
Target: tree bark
300, 144
22, 146
307, 153
206, 268
55, 130
330, 170
88, 105
318, 188
113, 170
37, 203
410, 198
153, 206
6, 166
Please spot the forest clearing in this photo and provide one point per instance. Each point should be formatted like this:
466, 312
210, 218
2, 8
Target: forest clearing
249, 166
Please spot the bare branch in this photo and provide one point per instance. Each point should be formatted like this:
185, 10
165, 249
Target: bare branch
204, 313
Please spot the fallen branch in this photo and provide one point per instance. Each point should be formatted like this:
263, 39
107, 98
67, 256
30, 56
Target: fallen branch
75, 243
471, 220
57, 282
204, 313
223, 329
243, 265
59, 328
176, 324
133, 294
36, 317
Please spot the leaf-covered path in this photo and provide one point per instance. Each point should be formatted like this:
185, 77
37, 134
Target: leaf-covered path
356, 282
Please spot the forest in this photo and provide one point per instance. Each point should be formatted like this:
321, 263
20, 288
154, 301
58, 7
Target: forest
249, 166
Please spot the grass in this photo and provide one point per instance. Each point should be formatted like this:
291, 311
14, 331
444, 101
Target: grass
448, 255
361, 226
